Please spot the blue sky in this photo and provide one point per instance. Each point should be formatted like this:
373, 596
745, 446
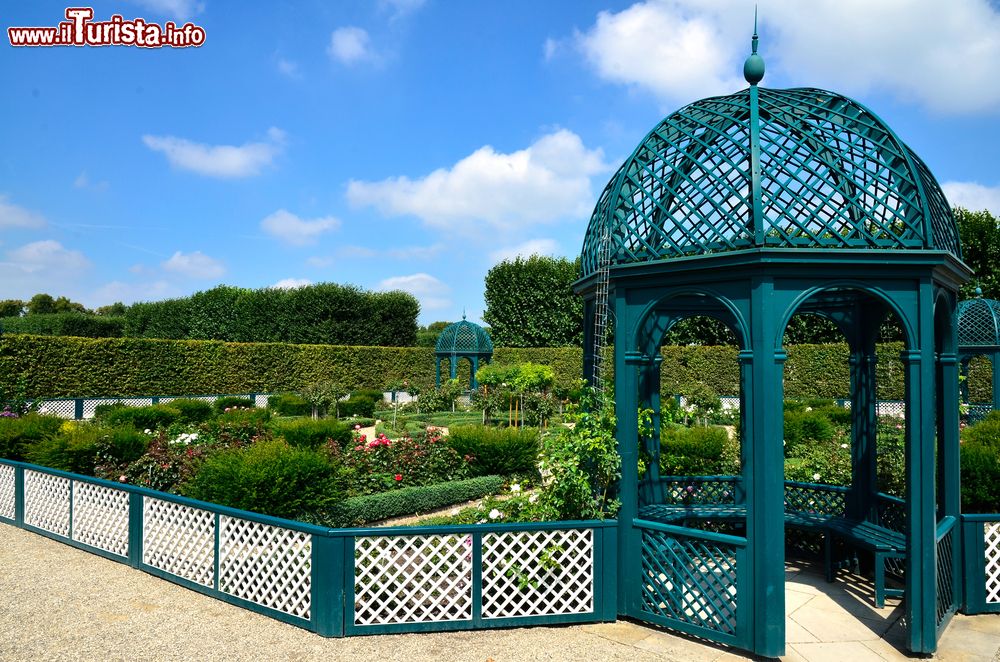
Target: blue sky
411, 144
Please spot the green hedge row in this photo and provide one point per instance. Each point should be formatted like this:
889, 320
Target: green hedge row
357, 511
65, 324
61, 366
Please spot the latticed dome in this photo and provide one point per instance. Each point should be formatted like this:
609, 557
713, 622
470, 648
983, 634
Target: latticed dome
464, 337
831, 175
978, 323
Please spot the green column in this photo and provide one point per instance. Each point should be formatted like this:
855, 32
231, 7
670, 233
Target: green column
627, 434
764, 473
951, 474
995, 362
920, 507
473, 367
453, 366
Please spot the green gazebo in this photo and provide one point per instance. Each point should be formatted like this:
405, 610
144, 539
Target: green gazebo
979, 335
751, 208
463, 339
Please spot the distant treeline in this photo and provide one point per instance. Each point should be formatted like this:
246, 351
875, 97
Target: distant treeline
325, 313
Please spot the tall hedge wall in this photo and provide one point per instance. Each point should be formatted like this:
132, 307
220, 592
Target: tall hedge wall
65, 324
56, 366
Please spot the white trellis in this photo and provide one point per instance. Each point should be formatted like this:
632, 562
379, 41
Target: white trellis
46, 502
8, 477
412, 579
179, 539
991, 534
265, 564
538, 573
100, 517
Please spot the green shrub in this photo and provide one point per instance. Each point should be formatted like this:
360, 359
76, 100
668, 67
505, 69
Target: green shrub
805, 426
381, 464
191, 410
269, 477
289, 404
497, 451
358, 511
121, 446
238, 427
231, 401
65, 324
74, 449
101, 411
151, 417
360, 403
17, 434
985, 433
695, 451
307, 433
980, 478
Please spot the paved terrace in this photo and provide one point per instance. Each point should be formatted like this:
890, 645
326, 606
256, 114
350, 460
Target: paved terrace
60, 603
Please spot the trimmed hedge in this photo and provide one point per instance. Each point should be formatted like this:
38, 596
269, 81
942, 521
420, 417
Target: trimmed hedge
497, 451
65, 324
289, 404
358, 511
56, 366
307, 433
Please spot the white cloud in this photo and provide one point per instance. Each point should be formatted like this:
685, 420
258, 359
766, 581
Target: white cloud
83, 181
319, 262
400, 253
526, 249
224, 161
288, 68
291, 283
295, 231
400, 8
194, 265
431, 292
15, 216
46, 256
545, 182
350, 45
180, 10
942, 57
973, 196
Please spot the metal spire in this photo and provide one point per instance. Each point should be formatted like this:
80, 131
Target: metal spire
753, 68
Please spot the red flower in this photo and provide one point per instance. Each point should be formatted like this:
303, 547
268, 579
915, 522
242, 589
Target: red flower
399, 477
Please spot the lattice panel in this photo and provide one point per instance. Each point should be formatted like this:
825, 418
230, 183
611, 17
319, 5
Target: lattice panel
412, 579
46, 502
538, 573
945, 577
89, 405
266, 564
978, 323
179, 539
695, 490
260, 400
814, 500
689, 580
100, 517
891, 512
60, 408
991, 540
7, 491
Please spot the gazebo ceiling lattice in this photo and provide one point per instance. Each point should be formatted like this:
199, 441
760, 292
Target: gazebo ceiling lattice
832, 175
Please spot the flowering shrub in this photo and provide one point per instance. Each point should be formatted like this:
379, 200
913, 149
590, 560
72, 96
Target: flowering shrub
379, 464
164, 465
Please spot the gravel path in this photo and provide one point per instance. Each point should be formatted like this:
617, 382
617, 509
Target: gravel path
60, 603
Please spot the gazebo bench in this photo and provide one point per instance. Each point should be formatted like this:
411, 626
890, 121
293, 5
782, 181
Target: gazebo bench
882, 542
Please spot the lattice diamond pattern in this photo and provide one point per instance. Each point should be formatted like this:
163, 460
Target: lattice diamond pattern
697, 490
412, 579
689, 580
7, 491
538, 573
100, 517
60, 408
978, 323
945, 577
46, 502
991, 534
89, 405
815, 500
179, 539
266, 564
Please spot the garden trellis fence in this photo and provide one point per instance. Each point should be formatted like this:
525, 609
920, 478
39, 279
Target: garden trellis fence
335, 582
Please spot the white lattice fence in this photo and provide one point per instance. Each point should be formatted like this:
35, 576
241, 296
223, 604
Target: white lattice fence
265, 564
8, 476
538, 573
179, 540
60, 408
89, 405
412, 579
100, 517
46, 502
991, 534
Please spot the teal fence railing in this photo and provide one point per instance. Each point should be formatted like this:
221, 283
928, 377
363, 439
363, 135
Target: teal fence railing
981, 563
335, 582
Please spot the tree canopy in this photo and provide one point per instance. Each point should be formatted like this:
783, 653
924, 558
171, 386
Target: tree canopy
530, 302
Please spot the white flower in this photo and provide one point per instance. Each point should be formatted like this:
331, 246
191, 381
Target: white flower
495, 514
193, 436
843, 445
533, 498
147, 431
815, 476
809, 408
515, 488
454, 511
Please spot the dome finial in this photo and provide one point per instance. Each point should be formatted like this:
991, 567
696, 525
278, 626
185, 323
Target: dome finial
979, 292
753, 68
463, 312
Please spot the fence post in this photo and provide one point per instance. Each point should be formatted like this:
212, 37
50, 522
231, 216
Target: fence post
78, 408
19, 496
327, 599
608, 573
134, 529
155, 399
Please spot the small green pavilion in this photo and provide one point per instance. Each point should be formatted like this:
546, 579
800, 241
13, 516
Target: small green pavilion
979, 335
751, 208
462, 339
